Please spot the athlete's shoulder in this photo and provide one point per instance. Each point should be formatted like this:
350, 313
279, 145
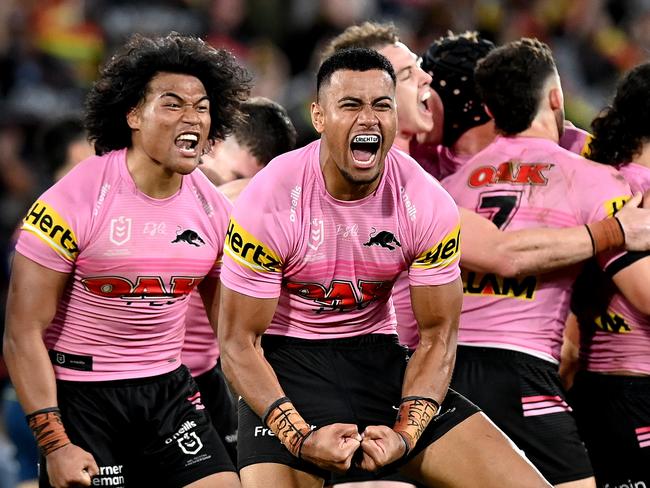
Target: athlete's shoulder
87, 184
283, 179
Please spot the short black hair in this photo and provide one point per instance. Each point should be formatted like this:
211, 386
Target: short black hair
266, 131
124, 79
622, 128
510, 80
353, 59
451, 61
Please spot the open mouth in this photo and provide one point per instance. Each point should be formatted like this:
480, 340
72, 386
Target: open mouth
364, 149
424, 106
187, 143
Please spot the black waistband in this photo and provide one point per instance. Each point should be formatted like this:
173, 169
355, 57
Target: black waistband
500, 354
361, 341
181, 370
613, 381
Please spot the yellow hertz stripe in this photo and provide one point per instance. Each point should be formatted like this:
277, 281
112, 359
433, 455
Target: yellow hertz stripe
46, 223
584, 152
442, 254
250, 252
615, 204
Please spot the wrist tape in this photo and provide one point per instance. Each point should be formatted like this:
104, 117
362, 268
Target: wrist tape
606, 234
413, 416
286, 423
48, 429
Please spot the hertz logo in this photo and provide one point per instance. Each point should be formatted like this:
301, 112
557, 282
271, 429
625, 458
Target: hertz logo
248, 251
615, 204
442, 254
50, 227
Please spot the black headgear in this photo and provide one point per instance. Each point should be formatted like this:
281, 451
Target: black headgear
451, 61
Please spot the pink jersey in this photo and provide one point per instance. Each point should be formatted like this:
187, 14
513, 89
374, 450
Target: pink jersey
620, 339
525, 182
133, 261
446, 163
200, 349
333, 263
575, 140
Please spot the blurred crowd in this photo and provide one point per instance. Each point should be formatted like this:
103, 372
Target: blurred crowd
50, 51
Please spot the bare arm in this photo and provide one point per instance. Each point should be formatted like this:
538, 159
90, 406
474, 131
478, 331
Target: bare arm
437, 311
632, 281
242, 321
486, 249
427, 377
34, 294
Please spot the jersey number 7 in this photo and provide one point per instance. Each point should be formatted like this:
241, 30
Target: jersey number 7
499, 206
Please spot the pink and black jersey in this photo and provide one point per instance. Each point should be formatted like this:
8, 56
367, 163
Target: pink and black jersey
575, 140
525, 182
619, 340
333, 263
200, 348
133, 261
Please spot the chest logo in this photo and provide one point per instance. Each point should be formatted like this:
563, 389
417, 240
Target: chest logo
316, 234
120, 230
382, 238
189, 236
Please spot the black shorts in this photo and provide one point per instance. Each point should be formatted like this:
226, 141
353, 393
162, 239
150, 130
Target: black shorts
219, 402
356, 380
142, 432
613, 415
523, 395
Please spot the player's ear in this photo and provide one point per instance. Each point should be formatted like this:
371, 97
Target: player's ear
555, 98
133, 117
317, 117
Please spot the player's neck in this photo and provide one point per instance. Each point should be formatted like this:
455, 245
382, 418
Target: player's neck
544, 126
474, 140
402, 142
151, 178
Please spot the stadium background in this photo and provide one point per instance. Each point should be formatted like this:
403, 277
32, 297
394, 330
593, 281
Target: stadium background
50, 51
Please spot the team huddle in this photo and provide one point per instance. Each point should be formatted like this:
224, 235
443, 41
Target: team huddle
440, 291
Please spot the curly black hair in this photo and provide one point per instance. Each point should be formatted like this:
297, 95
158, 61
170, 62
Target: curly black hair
510, 80
124, 79
622, 128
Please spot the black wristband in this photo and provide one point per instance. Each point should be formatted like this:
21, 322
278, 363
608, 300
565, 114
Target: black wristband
426, 399
591, 237
302, 443
621, 226
42, 410
273, 405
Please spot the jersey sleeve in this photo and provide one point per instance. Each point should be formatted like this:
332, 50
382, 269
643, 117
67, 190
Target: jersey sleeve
223, 210
257, 243
52, 228
601, 194
435, 233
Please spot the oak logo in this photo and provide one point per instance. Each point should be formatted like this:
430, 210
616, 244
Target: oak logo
511, 172
612, 322
149, 289
493, 285
442, 254
248, 251
342, 295
46, 223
